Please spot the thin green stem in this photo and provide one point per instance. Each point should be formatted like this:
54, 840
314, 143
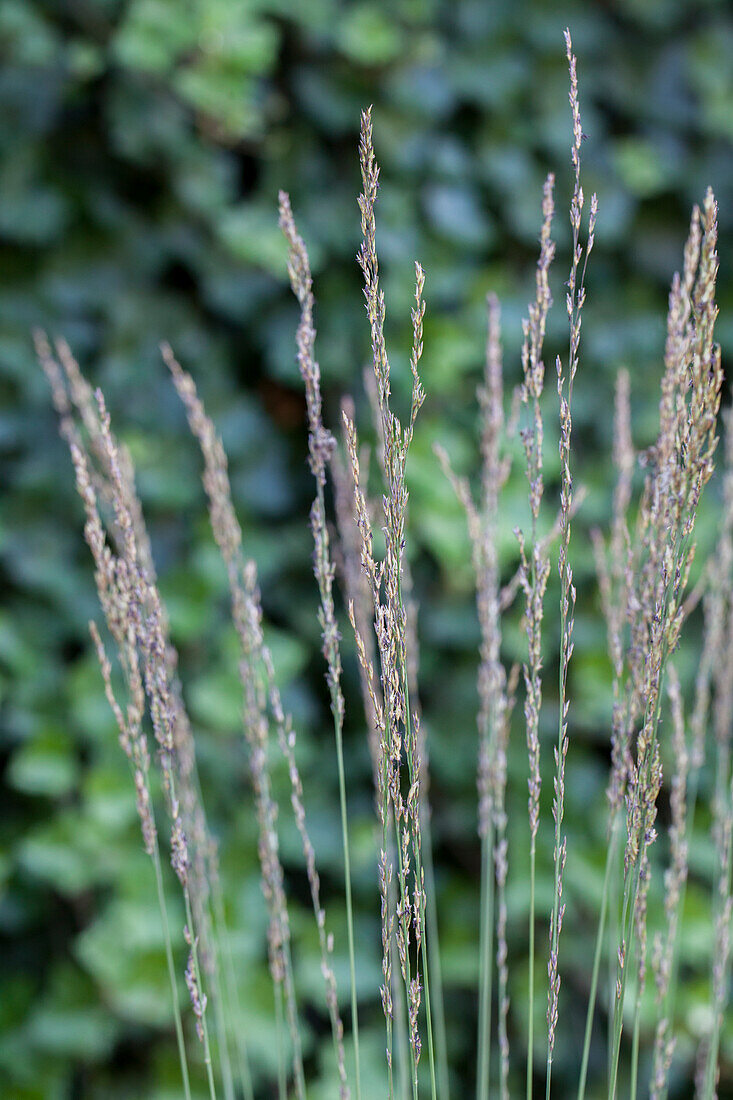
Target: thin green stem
413, 769
389, 1067
530, 995
503, 992
597, 956
222, 1038
667, 1008
293, 1022
197, 969
405, 904
559, 796
441, 1043
724, 791
536, 465
226, 985
614, 933
486, 951
223, 1045
631, 889
404, 899
197, 972
232, 992
428, 1013
349, 903
390, 974
171, 971
635, 1049
323, 572
403, 1056
282, 1090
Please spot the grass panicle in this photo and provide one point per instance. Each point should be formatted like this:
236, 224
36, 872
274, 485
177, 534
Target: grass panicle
400, 742
575, 300
720, 635
679, 466
535, 569
135, 619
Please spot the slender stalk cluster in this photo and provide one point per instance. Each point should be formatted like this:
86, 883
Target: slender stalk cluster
501, 867
260, 688
574, 301
358, 594
136, 621
535, 570
397, 724
675, 878
642, 592
714, 672
413, 664
355, 585
246, 616
680, 464
494, 698
615, 583
321, 445
720, 612
615, 586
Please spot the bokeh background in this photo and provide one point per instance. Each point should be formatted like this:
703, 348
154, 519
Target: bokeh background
142, 144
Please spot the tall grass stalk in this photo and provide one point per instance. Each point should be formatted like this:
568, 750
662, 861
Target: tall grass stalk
720, 612
321, 445
493, 703
486, 941
133, 612
246, 617
575, 301
535, 573
435, 966
665, 945
413, 662
492, 678
681, 465
247, 613
132, 608
723, 918
232, 997
399, 726
611, 852
614, 584
358, 594
282, 1086
131, 735
177, 1020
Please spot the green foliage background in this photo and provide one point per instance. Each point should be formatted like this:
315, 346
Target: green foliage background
142, 143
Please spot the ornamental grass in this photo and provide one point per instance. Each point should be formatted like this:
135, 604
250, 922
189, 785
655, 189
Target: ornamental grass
361, 538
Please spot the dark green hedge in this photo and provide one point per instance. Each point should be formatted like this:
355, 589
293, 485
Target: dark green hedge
142, 145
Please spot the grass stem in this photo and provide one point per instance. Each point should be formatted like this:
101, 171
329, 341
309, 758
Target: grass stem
171, 972
434, 959
530, 995
486, 952
597, 956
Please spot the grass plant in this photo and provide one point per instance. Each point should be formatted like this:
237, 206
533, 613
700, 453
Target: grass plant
643, 563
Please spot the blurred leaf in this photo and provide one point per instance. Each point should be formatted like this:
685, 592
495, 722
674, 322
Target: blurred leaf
369, 36
134, 980
640, 166
46, 766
